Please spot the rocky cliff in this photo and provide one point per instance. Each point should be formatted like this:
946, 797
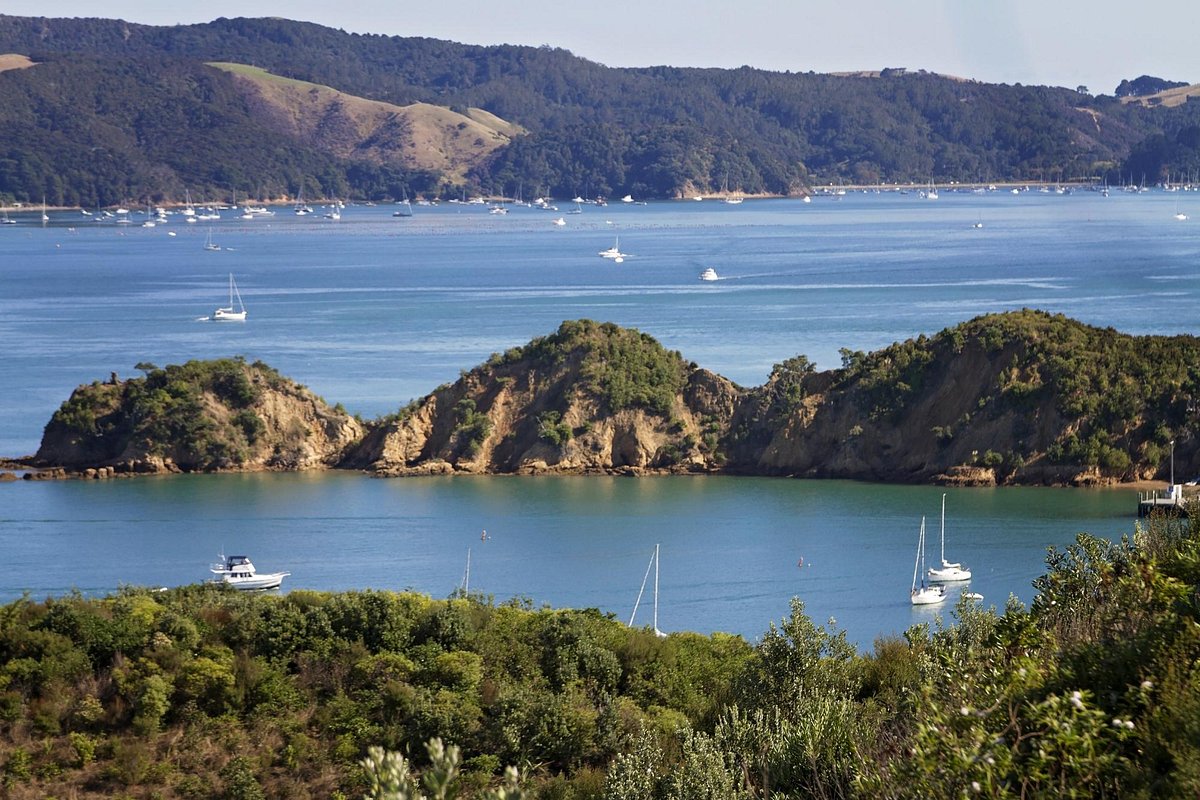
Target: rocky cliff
1020, 397
201, 416
589, 398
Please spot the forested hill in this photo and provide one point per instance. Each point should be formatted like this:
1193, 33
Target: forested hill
1023, 397
654, 132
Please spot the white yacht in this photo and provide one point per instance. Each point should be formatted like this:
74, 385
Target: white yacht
709, 274
239, 572
228, 313
949, 571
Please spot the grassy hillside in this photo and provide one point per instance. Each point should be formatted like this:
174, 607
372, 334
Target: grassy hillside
419, 136
13, 61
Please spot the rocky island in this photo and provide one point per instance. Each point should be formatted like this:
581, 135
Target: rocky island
1015, 398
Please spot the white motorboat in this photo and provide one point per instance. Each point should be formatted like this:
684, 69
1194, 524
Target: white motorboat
923, 594
950, 571
232, 313
709, 274
239, 572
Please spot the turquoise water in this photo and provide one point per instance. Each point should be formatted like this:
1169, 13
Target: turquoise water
730, 547
372, 311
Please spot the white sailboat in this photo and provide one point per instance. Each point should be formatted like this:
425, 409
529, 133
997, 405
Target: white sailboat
466, 581
208, 243
228, 314
653, 563
950, 570
924, 595
405, 208
613, 252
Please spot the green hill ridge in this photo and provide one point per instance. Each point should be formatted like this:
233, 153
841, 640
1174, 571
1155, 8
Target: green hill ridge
163, 122
1018, 397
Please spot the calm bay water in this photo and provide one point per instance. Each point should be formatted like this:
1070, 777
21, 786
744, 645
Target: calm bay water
372, 311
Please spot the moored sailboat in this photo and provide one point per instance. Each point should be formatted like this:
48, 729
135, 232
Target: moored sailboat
923, 594
232, 313
613, 252
949, 570
653, 563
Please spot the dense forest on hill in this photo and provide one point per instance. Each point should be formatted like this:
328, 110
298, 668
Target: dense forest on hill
203, 692
653, 132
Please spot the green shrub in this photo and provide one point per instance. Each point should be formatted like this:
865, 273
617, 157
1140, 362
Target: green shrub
553, 429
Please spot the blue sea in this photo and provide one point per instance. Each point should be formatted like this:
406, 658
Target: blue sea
372, 311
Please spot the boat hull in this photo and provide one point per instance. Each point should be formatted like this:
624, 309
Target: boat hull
271, 580
949, 575
926, 597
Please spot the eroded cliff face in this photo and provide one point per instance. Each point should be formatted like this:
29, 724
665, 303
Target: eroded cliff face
529, 418
996, 400
202, 416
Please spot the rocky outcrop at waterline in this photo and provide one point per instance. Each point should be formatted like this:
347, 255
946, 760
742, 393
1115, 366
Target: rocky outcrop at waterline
1020, 397
201, 416
589, 398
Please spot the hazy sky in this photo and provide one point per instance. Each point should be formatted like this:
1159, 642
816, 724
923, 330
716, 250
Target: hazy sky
1052, 42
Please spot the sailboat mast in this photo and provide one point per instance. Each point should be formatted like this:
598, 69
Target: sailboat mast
642, 590
656, 588
917, 561
467, 575
943, 528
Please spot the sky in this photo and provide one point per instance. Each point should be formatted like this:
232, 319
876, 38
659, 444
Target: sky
1067, 43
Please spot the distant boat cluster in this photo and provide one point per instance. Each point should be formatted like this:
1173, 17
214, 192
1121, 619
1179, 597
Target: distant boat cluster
152, 216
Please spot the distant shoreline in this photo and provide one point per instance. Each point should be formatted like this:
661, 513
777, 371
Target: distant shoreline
826, 189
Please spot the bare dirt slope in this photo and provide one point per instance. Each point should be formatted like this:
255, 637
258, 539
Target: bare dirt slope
419, 136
